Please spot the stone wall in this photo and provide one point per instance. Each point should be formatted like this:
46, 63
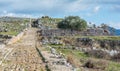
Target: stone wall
67, 32
60, 32
105, 44
83, 42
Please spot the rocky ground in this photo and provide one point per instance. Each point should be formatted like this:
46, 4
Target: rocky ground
22, 55
55, 60
57, 63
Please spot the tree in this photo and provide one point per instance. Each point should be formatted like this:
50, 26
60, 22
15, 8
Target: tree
73, 23
104, 26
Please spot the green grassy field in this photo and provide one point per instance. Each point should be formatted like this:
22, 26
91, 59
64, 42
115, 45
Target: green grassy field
12, 28
94, 37
11, 33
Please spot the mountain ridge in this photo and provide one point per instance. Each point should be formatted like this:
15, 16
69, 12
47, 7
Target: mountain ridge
117, 32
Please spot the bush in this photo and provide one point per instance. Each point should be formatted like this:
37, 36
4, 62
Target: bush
73, 23
98, 54
89, 64
96, 64
72, 60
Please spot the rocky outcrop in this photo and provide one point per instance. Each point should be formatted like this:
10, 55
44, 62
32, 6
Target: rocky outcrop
107, 44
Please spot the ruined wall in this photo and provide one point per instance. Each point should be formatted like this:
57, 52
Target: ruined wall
60, 32
107, 44
67, 32
90, 43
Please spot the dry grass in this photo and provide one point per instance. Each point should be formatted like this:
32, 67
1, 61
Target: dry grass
73, 61
96, 64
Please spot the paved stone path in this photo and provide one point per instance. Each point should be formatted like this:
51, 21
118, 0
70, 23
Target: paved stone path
54, 64
22, 55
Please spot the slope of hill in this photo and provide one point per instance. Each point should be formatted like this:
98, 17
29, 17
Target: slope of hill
13, 19
117, 32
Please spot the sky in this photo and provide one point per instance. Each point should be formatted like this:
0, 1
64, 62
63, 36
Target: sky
95, 11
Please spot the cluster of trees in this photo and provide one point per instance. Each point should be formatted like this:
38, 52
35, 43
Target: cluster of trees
73, 23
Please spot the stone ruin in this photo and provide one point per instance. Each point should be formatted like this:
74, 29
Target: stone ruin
5, 36
59, 32
60, 58
51, 40
67, 32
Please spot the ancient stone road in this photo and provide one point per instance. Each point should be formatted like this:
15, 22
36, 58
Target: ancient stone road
22, 56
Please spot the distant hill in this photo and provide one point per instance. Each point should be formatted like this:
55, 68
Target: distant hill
9, 19
117, 32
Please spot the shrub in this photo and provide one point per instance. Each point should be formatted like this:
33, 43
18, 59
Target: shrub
96, 64
70, 59
89, 64
98, 54
73, 61
73, 23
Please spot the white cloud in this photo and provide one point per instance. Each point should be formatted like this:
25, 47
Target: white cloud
5, 13
96, 9
46, 5
76, 6
115, 25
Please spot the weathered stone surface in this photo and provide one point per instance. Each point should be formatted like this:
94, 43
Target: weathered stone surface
22, 56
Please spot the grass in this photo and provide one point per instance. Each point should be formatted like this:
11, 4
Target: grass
50, 22
104, 37
12, 28
11, 33
43, 59
77, 55
113, 66
95, 37
7, 61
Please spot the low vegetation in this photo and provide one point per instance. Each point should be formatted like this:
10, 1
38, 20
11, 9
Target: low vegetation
12, 28
90, 60
73, 46
73, 23
98, 54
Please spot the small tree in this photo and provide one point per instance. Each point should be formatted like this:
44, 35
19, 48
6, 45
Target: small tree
73, 23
